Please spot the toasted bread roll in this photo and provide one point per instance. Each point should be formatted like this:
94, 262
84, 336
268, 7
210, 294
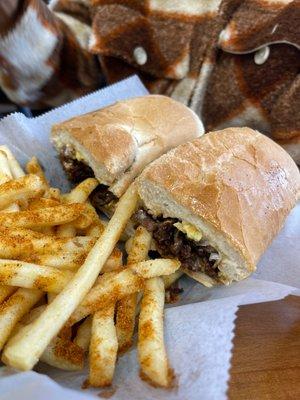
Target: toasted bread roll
216, 203
115, 143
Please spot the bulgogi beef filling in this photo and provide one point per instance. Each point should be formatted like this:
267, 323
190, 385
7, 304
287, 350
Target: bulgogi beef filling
77, 171
101, 196
170, 242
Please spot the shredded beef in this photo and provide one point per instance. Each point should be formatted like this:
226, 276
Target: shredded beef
170, 242
101, 196
77, 171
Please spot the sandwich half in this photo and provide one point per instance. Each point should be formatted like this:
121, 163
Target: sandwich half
115, 143
217, 202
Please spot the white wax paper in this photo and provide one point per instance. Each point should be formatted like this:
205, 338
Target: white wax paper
198, 329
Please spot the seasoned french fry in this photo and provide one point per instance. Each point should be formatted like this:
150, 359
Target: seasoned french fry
33, 167
63, 354
32, 276
5, 172
14, 166
42, 202
97, 226
17, 244
168, 281
5, 292
60, 353
125, 321
85, 219
25, 351
151, 349
21, 300
95, 230
128, 244
61, 260
46, 230
5, 176
66, 231
114, 262
12, 208
78, 244
50, 216
103, 348
32, 314
84, 333
157, 267
53, 193
78, 195
140, 246
72, 260
19, 235
10, 247
81, 192
21, 189
111, 286
20, 232
13, 309
126, 307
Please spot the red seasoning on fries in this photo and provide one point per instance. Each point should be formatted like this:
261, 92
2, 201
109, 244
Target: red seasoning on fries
103, 348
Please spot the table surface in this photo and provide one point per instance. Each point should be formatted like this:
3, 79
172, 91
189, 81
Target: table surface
266, 353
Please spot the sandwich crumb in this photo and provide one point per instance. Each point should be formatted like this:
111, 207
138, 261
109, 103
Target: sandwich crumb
173, 294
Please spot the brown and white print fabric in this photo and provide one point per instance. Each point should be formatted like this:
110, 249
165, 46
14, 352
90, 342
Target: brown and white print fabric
166, 41
42, 63
255, 80
234, 62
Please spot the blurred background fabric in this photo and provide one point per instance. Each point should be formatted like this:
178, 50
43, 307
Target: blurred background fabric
234, 62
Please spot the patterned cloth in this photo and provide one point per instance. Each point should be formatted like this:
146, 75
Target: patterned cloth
235, 62
42, 62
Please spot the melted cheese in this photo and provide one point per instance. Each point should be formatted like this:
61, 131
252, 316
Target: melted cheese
190, 230
79, 156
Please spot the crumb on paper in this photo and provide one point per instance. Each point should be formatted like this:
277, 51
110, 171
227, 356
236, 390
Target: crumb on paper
107, 393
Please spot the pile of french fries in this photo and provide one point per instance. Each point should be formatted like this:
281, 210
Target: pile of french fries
64, 291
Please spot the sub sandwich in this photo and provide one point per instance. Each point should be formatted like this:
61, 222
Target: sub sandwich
115, 143
217, 202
